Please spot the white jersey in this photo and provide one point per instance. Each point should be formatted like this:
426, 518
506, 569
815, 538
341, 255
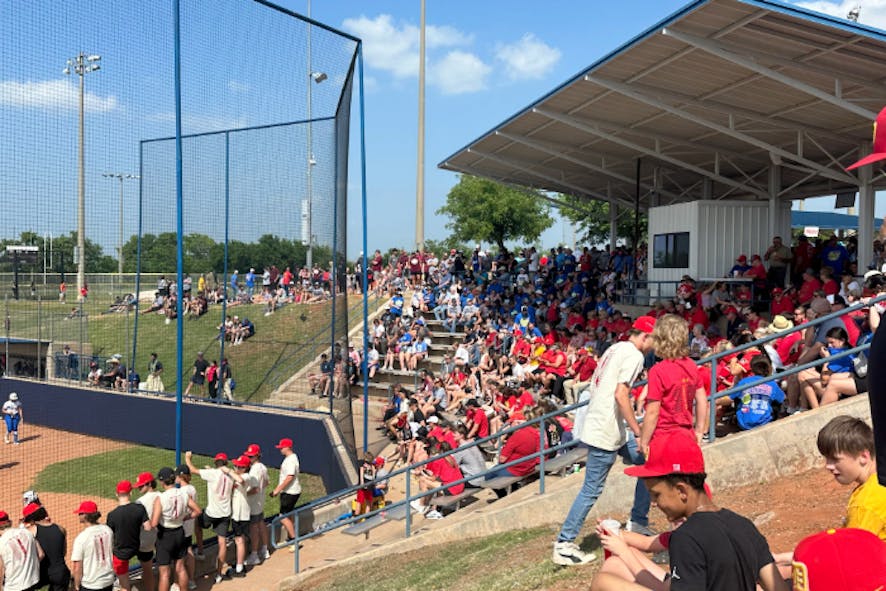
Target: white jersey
147, 539
93, 548
18, 551
192, 494
257, 500
11, 407
173, 508
604, 426
219, 490
290, 467
240, 510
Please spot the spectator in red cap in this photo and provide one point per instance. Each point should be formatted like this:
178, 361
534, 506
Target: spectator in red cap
219, 493
845, 559
289, 487
147, 488
243, 481
603, 430
52, 538
740, 267
20, 556
713, 550
258, 529
91, 557
781, 304
127, 522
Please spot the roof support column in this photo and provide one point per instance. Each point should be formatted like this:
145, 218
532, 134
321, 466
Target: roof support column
774, 210
613, 219
867, 200
707, 189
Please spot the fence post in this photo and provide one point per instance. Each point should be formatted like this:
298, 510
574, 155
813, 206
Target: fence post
6, 324
80, 347
712, 403
39, 336
295, 540
408, 475
541, 457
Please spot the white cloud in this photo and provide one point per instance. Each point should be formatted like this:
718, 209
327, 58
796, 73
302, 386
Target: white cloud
528, 58
873, 12
52, 94
459, 72
394, 47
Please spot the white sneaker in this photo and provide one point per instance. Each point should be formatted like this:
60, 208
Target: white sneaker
218, 579
433, 514
417, 506
265, 554
252, 560
569, 554
638, 529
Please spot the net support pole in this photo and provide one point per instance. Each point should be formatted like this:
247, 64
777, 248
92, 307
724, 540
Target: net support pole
138, 256
365, 262
224, 314
179, 246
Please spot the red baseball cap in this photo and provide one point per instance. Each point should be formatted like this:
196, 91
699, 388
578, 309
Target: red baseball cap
284, 443
221, 457
756, 257
644, 324
87, 507
143, 479
4, 517
671, 452
742, 258
777, 291
124, 487
30, 508
252, 450
878, 151
242, 462
845, 559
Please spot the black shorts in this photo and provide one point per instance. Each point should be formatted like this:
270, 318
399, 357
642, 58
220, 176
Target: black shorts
861, 384
145, 556
241, 528
256, 518
287, 502
197, 379
171, 545
219, 525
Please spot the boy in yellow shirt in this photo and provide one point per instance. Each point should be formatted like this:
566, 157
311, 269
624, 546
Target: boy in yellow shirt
847, 443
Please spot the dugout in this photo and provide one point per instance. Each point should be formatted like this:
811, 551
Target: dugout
24, 357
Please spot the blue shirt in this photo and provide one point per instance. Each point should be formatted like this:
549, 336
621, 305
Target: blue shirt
842, 365
835, 257
250, 279
755, 402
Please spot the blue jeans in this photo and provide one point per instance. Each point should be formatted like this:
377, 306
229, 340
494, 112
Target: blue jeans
440, 312
599, 463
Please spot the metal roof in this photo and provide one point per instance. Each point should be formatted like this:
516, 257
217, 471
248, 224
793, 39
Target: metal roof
710, 98
828, 219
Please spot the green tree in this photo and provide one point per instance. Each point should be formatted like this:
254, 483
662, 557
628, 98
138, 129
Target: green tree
592, 218
487, 211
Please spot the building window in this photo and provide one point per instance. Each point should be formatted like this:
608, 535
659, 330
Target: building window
671, 251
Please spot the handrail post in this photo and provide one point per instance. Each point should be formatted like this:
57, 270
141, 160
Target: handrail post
408, 474
712, 403
295, 540
541, 458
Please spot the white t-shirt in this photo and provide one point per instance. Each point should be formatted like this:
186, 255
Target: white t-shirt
192, 494
173, 507
290, 467
93, 548
11, 407
219, 489
240, 510
18, 550
147, 539
257, 500
604, 426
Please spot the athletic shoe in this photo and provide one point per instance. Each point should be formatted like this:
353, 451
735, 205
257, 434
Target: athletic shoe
569, 554
433, 514
239, 573
265, 554
230, 572
16, 443
635, 527
6, 440
218, 579
192, 585
252, 560
292, 548
417, 506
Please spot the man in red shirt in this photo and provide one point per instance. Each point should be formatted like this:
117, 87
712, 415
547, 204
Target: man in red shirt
579, 375
757, 272
554, 365
828, 284
476, 420
781, 304
521, 443
804, 255
808, 288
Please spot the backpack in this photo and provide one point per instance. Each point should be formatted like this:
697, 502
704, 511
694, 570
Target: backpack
860, 360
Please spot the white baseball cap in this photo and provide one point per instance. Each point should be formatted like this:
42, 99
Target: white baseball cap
13, 396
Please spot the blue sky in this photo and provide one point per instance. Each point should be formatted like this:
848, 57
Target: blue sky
486, 60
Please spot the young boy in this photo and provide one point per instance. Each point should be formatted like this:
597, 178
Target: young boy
847, 444
754, 403
714, 549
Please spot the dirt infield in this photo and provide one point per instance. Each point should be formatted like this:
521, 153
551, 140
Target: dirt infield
40, 447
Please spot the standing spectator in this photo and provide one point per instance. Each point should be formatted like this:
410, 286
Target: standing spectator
155, 370
250, 283
183, 481
147, 486
12, 414
91, 558
198, 375
212, 380
258, 529
779, 257
126, 522
235, 287
219, 492
243, 481
226, 381
20, 556
804, 258
603, 430
289, 488
835, 256
171, 509
52, 538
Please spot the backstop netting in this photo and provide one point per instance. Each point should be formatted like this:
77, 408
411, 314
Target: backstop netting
264, 133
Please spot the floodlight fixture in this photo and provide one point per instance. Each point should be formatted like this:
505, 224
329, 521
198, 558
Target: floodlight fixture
854, 14
319, 77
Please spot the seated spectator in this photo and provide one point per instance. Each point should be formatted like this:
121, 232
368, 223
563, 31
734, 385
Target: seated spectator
828, 284
840, 373
740, 267
781, 303
440, 472
754, 403
810, 285
469, 458
520, 443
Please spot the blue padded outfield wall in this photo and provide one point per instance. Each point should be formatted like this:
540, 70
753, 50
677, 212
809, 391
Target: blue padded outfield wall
209, 428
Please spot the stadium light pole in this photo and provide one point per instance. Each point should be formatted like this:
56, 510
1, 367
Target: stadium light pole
81, 64
120, 176
420, 172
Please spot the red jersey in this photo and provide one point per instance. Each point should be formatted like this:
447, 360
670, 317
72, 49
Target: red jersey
447, 471
807, 290
673, 383
783, 305
783, 348
478, 417
830, 287
554, 362
522, 348
584, 368
521, 443
516, 403
699, 316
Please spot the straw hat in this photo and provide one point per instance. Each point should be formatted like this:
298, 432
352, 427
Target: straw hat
780, 324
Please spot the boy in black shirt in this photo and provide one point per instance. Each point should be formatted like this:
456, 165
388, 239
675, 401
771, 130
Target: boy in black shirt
713, 550
126, 521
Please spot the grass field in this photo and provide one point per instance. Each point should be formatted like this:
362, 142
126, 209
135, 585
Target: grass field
97, 475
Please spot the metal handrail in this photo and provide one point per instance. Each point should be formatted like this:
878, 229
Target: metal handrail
543, 451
